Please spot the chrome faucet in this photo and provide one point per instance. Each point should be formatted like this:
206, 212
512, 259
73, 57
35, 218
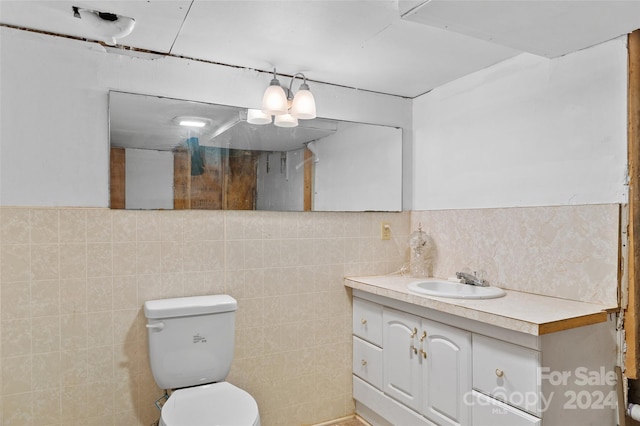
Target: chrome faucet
471, 279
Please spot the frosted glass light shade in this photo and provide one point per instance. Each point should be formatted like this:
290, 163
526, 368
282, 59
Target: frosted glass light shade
274, 101
255, 116
304, 105
285, 120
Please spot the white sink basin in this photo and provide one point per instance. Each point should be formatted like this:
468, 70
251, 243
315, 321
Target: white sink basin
453, 290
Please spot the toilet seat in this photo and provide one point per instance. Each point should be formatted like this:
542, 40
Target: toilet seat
216, 404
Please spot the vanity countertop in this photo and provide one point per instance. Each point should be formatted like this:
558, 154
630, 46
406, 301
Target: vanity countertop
524, 312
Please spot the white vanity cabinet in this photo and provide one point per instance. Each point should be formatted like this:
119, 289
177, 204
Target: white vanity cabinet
416, 366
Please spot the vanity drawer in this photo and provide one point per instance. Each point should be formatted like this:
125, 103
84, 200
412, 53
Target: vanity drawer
367, 321
367, 362
507, 372
489, 412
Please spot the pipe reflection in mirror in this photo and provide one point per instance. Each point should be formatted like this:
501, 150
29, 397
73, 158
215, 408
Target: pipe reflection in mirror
311, 146
286, 166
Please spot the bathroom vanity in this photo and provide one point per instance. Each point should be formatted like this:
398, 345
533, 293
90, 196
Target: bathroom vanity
521, 359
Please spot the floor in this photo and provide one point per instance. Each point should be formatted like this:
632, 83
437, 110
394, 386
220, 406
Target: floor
349, 422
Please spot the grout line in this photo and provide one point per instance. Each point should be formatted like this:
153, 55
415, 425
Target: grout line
30, 284
60, 346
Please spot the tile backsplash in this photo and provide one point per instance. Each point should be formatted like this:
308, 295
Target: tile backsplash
569, 252
73, 347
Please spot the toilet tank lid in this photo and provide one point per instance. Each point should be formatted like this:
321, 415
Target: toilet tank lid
187, 306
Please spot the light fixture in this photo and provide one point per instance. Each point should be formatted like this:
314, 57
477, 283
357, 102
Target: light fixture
285, 120
255, 116
274, 101
197, 122
286, 107
303, 105
107, 26
192, 123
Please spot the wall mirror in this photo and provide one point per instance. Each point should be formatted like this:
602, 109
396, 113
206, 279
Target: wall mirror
227, 163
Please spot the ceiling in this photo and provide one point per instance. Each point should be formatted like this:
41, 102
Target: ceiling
398, 47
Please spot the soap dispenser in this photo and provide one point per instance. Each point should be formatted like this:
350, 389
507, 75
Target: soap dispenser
421, 254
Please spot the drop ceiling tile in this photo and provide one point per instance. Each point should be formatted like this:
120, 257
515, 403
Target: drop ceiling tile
361, 44
157, 22
545, 28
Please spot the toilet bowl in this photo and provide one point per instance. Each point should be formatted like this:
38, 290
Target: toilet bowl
217, 404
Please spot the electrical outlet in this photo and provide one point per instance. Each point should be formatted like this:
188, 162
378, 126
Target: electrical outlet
385, 231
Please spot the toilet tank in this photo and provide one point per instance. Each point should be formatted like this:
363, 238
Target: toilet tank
191, 339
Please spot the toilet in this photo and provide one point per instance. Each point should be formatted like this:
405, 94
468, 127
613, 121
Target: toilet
191, 343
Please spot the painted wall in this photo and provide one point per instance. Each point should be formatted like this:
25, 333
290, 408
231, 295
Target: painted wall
61, 85
350, 169
529, 131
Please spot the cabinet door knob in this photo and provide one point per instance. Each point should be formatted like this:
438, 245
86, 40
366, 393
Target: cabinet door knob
424, 335
499, 372
423, 353
363, 321
413, 333
414, 349
364, 363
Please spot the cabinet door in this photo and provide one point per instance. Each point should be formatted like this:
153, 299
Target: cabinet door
447, 374
402, 375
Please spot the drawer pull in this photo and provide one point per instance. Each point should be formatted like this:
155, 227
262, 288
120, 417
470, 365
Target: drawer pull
363, 363
499, 372
413, 334
363, 321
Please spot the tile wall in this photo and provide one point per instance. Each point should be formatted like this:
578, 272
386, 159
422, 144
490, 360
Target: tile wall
72, 283
569, 252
